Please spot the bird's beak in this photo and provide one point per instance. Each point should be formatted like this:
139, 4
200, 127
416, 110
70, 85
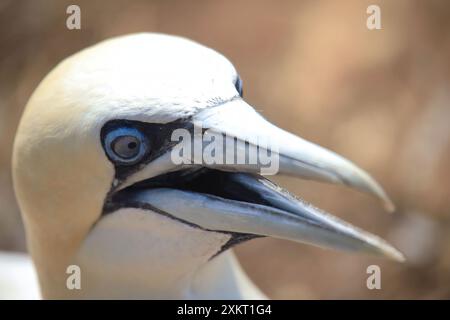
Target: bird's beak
292, 155
234, 197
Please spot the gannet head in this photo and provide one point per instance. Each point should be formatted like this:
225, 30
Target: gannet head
98, 185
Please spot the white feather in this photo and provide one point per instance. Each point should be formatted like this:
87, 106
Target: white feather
18, 279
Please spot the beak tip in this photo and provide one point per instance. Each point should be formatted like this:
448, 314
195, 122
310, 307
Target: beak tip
391, 253
389, 206
397, 256
379, 192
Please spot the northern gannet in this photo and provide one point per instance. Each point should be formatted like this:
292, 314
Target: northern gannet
97, 187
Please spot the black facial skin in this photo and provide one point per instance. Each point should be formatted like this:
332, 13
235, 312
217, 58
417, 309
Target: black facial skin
157, 134
238, 86
160, 143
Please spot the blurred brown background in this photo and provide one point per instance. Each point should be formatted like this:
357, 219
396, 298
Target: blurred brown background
380, 98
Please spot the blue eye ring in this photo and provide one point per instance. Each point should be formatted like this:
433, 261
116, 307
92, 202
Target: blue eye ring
126, 146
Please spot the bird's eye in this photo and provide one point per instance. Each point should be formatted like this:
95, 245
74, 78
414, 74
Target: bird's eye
238, 86
126, 145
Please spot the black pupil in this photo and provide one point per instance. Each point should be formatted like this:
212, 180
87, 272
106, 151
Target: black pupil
132, 145
126, 146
